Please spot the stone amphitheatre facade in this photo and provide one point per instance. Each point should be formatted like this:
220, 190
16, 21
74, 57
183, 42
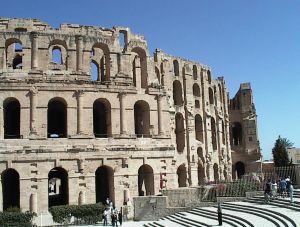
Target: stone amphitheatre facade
87, 113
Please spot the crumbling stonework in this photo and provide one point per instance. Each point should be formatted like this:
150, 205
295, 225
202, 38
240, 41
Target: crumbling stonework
87, 113
246, 155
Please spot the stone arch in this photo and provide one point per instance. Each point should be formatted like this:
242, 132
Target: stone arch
58, 185
182, 176
198, 128
10, 188
104, 183
196, 90
95, 75
237, 134
209, 76
145, 180
201, 164
213, 133
100, 54
177, 93
14, 53
211, 95
11, 109
239, 169
195, 72
101, 118
140, 67
157, 74
57, 118
60, 49
142, 119
216, 172
176, 68
180, 132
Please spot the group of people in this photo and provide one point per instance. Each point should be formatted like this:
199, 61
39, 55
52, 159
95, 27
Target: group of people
283, 188
112, 213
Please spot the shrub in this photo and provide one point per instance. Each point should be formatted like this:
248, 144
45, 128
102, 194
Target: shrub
16, 219
83, 214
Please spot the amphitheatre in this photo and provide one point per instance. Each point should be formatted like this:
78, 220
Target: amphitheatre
87, 113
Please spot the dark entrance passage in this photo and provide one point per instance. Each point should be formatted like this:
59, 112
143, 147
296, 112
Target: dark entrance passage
182, 176
58, 188
10, 188
104, 184
145, 180
101, 118
11, 119
57, 119
142, 119
240, 169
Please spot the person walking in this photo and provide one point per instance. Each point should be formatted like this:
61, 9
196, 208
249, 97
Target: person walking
291, 190
105, 215
121, 216
220, 214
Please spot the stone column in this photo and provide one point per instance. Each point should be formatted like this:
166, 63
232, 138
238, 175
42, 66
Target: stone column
34, 50
122, 113
159, 114
33, 92
79, 45
4, 58
81, 198
33, 203
79, 94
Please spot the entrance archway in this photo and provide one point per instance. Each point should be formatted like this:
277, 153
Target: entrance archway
182, 176
240, 169
145, 180
104, 184
57, 118
142, 119
58, 187
11, 109
10, 188
102, 118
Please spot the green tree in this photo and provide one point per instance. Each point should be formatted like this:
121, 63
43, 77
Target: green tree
280, 154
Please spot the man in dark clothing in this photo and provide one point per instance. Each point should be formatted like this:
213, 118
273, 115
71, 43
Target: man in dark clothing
219, 213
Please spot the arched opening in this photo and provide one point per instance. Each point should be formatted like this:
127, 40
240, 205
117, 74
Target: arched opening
145, 180
142, 119
57, 118
102, 118
58, 187
209, 76
179, 131
198, 128
57, 56
195, 72
237, 134
201, 169
240, 169
94, 71
196, 90
211, 96
175, 68
216, 172
17, 62
140, 67
223, 133
177, 93
213, 133
100, 56
182, 176
157, 74
220, 93
14, 53
122, 39
104, 179
10, 188
11, 109
197, 104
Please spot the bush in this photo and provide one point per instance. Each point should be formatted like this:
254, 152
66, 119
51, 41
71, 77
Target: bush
83, 214
16, 219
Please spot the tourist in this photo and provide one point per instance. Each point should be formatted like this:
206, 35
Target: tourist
291, 191
105, 215
282, 185
114, 217
288, 184
267, 192
120, 215
274, 189
219, 213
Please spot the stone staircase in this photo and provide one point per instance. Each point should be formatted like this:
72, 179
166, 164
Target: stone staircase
251, 212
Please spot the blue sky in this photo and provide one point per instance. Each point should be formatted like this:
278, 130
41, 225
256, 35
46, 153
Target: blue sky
256, 41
